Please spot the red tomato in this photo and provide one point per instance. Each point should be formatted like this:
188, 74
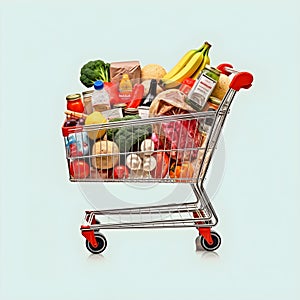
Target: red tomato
184, 170
121, 172
162, 165
79, 169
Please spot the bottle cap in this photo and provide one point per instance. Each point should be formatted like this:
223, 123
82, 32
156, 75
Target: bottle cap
98, 85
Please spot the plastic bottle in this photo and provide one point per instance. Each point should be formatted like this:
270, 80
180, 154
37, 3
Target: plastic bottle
100, 97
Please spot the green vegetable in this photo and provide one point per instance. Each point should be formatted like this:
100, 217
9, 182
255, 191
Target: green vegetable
112, 131
127, 136
94, 70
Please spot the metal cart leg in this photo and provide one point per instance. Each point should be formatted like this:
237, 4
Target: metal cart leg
209, 239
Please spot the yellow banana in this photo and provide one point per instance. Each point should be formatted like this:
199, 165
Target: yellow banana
183, 61
206, 61
188, 70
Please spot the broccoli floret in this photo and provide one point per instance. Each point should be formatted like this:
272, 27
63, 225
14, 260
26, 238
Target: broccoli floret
94, 70
86, 81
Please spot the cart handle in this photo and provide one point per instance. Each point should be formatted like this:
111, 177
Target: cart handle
240, 80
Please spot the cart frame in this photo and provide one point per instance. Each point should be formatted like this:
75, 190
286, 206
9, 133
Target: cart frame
199, 213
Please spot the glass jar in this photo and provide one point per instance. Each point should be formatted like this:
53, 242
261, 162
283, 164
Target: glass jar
87, 101
131, 111
74, 103
203, 88
120, 105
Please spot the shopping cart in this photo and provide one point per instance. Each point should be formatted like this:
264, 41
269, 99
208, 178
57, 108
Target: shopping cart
196, 136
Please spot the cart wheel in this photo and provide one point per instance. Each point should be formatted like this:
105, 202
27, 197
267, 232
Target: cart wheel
102, 243
216, 242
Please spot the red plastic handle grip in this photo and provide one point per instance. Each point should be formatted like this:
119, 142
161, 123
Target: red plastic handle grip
222, 68
242, 80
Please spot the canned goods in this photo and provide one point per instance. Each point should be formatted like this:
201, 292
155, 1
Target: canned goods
74, 103
203, 87
77, 143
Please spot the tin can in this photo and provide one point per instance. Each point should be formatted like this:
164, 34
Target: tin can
74, 103
87, 101
77, 143
203, 88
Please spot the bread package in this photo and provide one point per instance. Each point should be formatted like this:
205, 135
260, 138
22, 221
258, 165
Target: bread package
132, 68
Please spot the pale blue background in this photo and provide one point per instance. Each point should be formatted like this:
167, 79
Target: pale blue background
43, 44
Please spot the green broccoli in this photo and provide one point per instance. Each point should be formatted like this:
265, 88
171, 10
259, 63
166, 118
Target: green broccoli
111, 132
94, 70
127, 136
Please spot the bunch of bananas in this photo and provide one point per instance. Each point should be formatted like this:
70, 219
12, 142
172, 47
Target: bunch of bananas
189, 66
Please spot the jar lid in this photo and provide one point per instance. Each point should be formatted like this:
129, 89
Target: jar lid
73, 97
214, 100
131, 111
210, 68
120, 105
84, 93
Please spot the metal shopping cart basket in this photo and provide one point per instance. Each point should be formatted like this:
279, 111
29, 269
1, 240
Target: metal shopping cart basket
187, 162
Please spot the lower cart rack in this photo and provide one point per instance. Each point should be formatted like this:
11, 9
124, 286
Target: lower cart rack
166, 216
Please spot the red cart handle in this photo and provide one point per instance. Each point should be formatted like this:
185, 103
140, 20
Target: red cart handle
241, 80
226, 69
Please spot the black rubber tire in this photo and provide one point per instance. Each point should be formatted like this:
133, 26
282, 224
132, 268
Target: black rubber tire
102, 244
216, 242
